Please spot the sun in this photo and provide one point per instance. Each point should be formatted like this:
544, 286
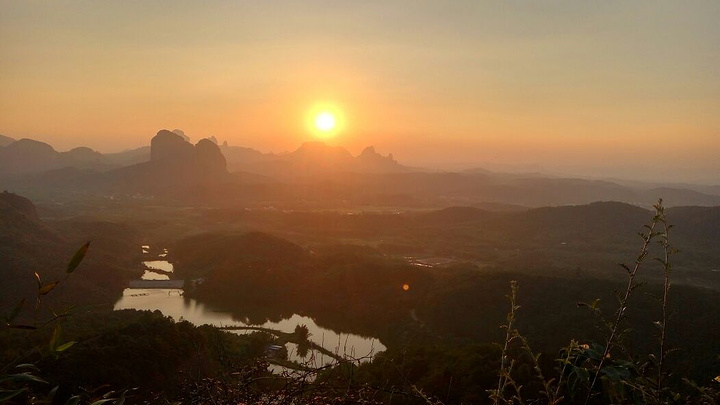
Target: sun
325, 121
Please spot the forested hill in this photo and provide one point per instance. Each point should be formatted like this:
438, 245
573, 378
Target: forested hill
29, 244
358, 289
585, 239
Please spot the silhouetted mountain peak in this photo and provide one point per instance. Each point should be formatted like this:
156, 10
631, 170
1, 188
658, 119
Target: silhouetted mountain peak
168, 146
27, 156
5, 140
169, 150
181, 133
30, 146
369, 155
82, 150
209, 157
31, 156
17, 204
176, 162
83, 154
368, 151
322, 152
21, 226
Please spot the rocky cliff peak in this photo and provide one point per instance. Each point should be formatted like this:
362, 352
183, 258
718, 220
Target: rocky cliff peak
168, 146
209, 158
181, 133
369, 155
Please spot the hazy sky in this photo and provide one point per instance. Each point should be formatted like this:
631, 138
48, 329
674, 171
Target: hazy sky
629, 87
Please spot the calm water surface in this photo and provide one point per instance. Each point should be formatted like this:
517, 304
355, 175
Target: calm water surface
171, 303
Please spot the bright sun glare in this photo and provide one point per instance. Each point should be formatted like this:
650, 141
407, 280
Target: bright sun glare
325, 121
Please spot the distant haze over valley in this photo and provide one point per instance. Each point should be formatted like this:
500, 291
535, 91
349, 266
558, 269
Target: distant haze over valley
313, 175
244, 157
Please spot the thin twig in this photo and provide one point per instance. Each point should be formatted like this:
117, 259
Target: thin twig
502, 378
614, 329
667, 268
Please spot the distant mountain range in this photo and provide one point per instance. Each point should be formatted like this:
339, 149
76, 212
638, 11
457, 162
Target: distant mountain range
30, 156
311, 158
314, 175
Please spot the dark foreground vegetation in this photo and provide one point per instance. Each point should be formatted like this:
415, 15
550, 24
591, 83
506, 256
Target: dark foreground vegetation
444, 332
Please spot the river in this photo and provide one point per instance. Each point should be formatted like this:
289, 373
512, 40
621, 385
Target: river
171, 303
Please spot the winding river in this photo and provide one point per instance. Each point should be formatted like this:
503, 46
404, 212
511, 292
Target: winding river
171, 303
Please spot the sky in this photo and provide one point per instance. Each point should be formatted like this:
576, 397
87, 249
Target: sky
604, 89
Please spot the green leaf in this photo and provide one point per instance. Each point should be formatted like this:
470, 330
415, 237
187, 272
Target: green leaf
77, 258
52, 393
65, 346
6, 395
121, 401
28, 366
55, 338
582, 373
44, 290
75, 400
615, 373
15, 311
22, 377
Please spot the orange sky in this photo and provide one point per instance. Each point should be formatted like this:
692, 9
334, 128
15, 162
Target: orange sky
585, 88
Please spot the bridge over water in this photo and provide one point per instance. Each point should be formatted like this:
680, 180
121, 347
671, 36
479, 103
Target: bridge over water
151, 284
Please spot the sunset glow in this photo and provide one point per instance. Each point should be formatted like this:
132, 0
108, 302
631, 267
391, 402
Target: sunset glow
317, 185
537, 88
325, 121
